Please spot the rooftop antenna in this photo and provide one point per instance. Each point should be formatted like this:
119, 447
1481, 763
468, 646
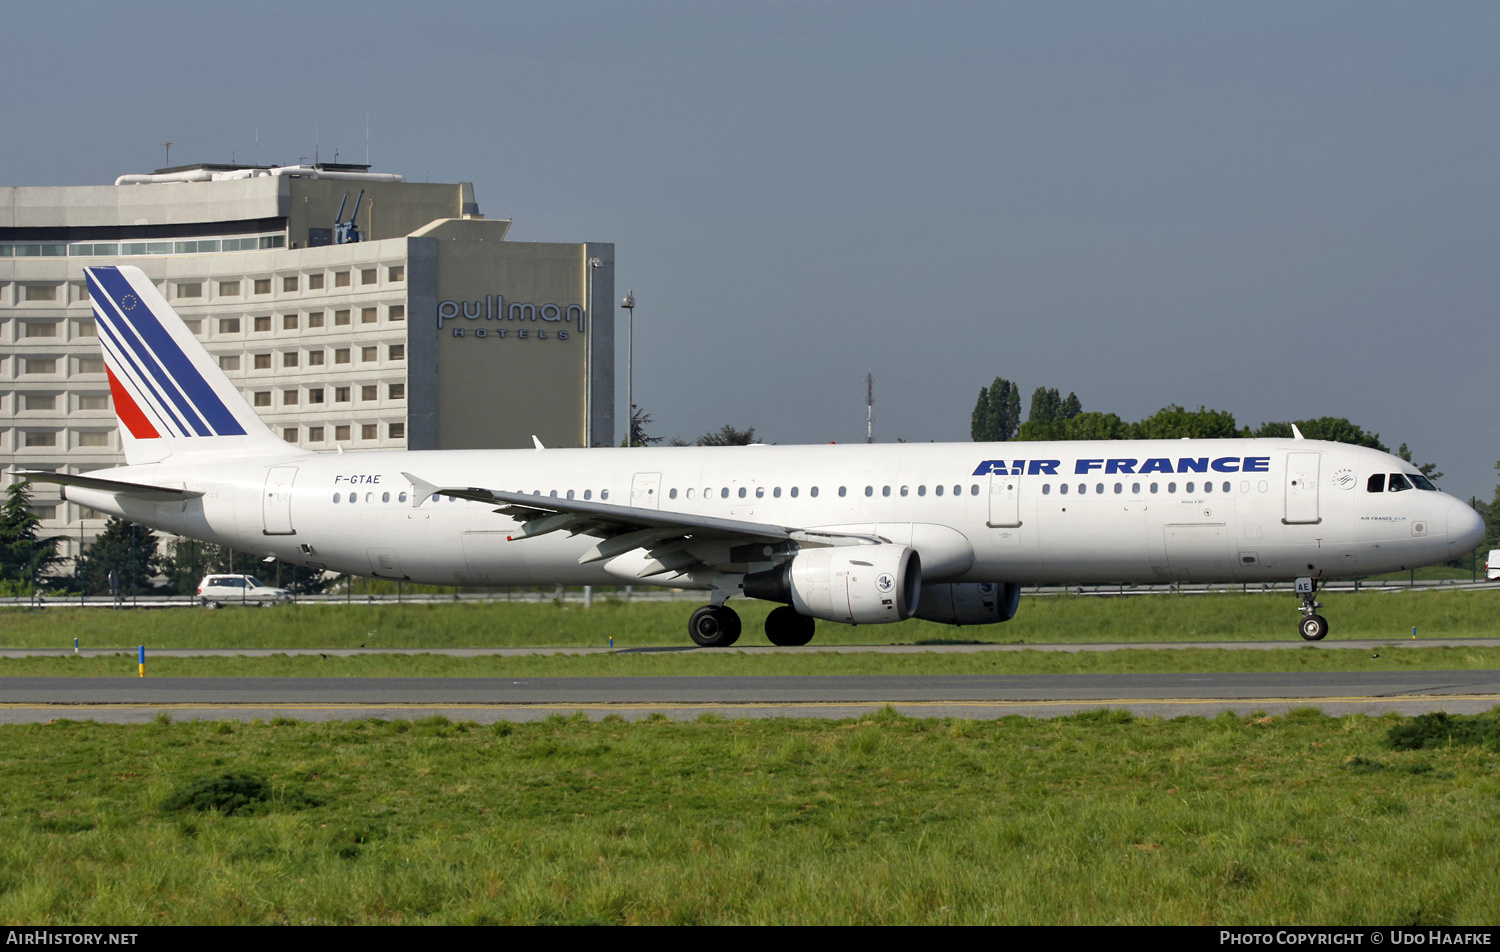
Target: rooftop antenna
870, 407
315, 143
367, 138
169, 153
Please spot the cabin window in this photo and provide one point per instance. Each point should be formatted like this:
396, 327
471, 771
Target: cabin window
974, 490
776, 492
794, 492
671, 494
402, 497
742, 492
1119, 488
1046, 489
938, 489
689, 493
760, 492
843, 491
921, 490
1153, 487
337, 496
1135, 489
869, 490
1398, 483
1083, 488
1208, 487
589, 494
385, 497
604, 494
813, 492
353, 497
1227, 486
885, 490
1171, 487
1099, 488
1189, 487
724, 493
904, 490
570, 494
1063, 489
553, 494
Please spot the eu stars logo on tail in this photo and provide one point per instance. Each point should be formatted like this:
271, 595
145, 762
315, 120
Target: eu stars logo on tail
169, 395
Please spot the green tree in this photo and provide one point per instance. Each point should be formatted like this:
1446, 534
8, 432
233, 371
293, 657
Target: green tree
639, 420
1426, 469
1083, 426
129, 549
727, 435
997, 413
1173, 423
187, 561
1048, 406
25, 554
1333, 429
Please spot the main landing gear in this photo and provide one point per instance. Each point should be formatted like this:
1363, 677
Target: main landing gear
718, 626
1313, 626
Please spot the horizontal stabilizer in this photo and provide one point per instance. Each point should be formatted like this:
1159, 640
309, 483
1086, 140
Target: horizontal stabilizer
142, 490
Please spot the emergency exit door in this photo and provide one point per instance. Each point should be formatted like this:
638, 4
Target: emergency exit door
645, 491
1005, 501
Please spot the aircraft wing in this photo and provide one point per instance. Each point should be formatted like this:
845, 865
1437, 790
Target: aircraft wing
144, 490
621, 529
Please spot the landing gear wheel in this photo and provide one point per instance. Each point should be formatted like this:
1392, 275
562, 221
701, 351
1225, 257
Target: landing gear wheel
1313, 628
787, 628
714, 626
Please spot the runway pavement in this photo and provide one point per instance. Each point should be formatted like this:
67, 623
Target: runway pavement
27, 700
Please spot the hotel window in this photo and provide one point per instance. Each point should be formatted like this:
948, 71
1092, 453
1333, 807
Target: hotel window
398, 352
91, 365
262, 361
340, 318
40, 439
289, 434
39, 328
315, 395
398, 432
194, 325
341, 356
315, 319
41, 401
262, 285
229, 325
369, 392
262, 398
315, 358
314, 283
397, 273
397, 312
340, 394
289, 283
398, 391
93, 401
40, 365
229, 363
80, 292
341, 433
289, 398
315, 433
93, 438
85, 328
194, 290
229, 289
288, 322
367, 315
44, 512
369, 431
263, 323
41, 292
369, 276
289, 359
341, 280
367, 354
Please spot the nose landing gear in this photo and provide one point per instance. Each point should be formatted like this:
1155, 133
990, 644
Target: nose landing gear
1313, 626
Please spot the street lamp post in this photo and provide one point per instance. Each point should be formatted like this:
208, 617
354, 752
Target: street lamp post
594, 264
628, 303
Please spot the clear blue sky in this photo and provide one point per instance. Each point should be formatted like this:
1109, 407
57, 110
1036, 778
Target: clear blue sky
1281, 210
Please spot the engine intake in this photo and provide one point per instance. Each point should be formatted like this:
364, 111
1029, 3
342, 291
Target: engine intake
969, 603
857, 584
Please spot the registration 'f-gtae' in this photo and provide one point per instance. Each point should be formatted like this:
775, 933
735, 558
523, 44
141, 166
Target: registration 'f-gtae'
861, 533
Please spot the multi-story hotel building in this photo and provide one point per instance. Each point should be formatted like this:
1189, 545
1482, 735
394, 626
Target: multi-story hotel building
431, 331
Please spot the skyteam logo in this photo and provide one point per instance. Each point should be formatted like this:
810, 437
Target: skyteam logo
156, 387
885, 583
1127, 467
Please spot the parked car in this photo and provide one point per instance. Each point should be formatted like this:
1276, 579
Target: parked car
216, 591
1492, 566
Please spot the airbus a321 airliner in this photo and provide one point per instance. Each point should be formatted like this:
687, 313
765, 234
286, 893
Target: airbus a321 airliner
864, 534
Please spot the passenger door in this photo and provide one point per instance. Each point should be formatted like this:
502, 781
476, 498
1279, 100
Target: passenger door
276, 503
1301, 489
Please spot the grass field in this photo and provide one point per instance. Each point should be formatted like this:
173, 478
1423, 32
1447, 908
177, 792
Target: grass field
1047, 619
731, 662
1096, 818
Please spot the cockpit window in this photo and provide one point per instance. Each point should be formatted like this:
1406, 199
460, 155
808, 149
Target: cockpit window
1422, 482
1376, 483
1399, 483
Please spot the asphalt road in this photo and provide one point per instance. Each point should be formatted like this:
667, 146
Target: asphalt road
25, 700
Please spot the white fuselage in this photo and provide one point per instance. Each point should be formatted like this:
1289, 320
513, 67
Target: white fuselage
1084, 512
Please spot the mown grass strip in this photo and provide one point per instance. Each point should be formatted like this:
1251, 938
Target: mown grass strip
1097, 818
1050, 619
731, 662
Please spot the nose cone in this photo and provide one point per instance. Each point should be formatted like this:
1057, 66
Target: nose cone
1465, 529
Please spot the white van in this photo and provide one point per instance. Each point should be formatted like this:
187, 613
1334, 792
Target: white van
1492, 566
216, 591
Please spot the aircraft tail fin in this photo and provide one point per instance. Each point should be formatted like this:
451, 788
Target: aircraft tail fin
169, 395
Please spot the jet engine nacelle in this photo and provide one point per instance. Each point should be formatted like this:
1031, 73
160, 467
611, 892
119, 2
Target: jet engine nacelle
857, 584
969, 603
